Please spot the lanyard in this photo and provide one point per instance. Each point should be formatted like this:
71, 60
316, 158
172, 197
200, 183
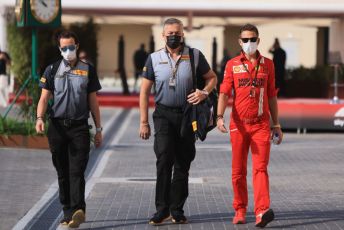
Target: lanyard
254, 81
174, 70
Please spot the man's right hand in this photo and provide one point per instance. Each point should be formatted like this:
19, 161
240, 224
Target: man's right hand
221, 125
145, 131
39, 126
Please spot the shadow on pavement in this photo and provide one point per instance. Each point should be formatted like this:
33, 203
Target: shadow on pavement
294, 219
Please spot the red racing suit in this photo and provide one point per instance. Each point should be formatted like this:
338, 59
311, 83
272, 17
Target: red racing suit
253, 85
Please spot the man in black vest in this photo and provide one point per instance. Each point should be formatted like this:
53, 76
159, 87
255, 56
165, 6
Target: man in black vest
139, 58
279, 59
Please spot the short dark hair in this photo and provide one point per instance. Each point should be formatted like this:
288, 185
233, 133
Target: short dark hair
249, 27
67, 34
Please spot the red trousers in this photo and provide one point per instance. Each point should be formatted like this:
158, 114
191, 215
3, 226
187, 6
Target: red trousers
257, 138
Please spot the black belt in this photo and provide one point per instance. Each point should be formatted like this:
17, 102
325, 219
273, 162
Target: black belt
69, 122
169, 108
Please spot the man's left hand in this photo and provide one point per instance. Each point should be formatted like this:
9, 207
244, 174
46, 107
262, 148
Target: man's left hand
98, 139
197, 96
277, 130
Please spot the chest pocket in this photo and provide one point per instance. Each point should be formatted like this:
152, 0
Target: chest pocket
262, 78
78, 83
60, 83
162, 73
162, 70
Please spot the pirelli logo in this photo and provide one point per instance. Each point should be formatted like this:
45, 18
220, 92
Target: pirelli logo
80, 72
144, 69
43, 79
185, 57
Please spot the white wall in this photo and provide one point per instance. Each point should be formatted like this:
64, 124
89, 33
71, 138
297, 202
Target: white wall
3, 32
299, 42
337, 37
108, 37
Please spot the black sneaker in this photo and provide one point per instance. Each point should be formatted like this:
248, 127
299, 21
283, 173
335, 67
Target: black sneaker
179, 219
265, 217
159, 217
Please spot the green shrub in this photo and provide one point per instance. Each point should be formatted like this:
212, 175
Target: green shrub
13, 127
311, 82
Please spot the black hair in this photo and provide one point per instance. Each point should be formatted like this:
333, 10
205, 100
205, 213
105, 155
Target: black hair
67, 34
249, 27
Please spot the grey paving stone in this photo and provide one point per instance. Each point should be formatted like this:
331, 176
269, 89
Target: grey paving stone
305, 180
25, 175
306, 185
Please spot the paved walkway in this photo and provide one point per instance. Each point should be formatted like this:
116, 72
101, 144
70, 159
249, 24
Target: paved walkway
306, 180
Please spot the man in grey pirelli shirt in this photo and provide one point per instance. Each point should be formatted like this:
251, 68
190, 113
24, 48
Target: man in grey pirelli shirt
73, 85
170, 69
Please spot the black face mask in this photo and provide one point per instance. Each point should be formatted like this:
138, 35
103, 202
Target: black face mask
173, 41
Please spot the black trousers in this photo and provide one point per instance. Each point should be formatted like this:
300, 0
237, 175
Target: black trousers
70, 147
173, 153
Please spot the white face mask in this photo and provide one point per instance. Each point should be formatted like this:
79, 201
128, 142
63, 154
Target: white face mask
69, 55
249, 47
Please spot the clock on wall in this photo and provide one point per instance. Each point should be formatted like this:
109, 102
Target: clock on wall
45, 11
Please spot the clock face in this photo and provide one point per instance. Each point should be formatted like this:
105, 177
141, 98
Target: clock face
45, 10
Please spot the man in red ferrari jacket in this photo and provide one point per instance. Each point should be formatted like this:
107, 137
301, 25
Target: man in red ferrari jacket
251, 77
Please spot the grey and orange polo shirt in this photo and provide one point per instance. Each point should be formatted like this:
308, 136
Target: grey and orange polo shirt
70, 87
159, 68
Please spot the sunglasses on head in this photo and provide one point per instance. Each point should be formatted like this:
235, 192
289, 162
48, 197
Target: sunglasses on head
245, 40
70, 47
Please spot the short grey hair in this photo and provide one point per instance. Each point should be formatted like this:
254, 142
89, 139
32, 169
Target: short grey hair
171, 21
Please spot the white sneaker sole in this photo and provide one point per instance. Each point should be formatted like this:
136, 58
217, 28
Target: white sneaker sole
160, 223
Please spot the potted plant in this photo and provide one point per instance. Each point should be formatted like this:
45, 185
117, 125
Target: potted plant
14, 133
